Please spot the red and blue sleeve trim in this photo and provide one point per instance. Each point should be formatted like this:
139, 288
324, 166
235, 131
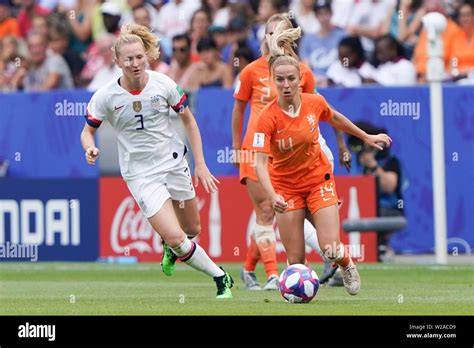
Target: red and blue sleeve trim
183, 102
91, 121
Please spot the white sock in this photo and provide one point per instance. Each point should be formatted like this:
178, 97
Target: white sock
192, 254
311, 237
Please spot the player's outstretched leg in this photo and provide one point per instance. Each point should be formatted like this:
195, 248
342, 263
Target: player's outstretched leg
166, 224
327, 225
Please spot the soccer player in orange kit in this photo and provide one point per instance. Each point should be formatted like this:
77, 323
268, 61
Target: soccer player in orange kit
256, 86
299, 179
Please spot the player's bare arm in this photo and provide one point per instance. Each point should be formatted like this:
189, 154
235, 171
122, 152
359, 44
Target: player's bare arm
342, 123
201, 172
237, 124
88, 144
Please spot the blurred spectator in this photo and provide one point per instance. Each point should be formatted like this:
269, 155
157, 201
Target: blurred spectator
238, 34
220, 37
420, 57
243, 56
390, 180
80, 20
351, 70
39, 24
367, 20
141, 15
129, 16
8, 24
319, 50
210, 71
12, 65
341, 11
393, 69
304, 15
200, 22
404, 23
47, 70
29, 8
59, 35
180, 68
159, 65
175, 16
111, 14
219, 11
462, 53
109, 71
266, 9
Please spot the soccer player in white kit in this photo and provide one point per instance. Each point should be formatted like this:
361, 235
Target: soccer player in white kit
151, 155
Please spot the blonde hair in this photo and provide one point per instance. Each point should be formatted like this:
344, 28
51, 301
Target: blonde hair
131, 33
279, 17
280, 46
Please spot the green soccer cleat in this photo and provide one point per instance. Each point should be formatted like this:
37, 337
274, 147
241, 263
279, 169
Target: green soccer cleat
168, 260
224, 283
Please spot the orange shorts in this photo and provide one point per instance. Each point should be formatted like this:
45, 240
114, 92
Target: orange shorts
320, 196
247, 166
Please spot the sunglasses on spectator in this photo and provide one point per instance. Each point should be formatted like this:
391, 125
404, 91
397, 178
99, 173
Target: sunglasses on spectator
180, 49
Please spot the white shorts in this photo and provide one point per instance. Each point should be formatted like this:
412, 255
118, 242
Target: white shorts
151, 192
328, 153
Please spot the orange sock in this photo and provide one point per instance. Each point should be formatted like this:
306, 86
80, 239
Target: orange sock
252, 257
345, 261
268, 254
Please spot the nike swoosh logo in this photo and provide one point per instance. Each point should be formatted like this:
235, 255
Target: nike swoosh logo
280, 130
326, 199
118, 107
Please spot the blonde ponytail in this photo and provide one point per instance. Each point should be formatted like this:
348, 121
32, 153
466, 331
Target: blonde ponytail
280, 45
131, 33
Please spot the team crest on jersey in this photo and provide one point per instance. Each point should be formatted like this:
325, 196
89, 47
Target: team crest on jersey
137, 106
155, 102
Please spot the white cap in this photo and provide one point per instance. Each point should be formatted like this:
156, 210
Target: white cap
110, 8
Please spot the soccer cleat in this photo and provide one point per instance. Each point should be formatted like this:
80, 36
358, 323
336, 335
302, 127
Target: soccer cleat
331, 274
250, 280
272, 283
224, 283
351, 279
168, 260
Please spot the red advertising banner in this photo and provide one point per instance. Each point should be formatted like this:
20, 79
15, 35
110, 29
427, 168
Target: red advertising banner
227, 218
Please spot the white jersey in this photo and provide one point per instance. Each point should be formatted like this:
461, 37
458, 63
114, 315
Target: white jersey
147, 142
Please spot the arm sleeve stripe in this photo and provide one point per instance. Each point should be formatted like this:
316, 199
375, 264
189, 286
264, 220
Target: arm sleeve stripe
182, 103
91, 121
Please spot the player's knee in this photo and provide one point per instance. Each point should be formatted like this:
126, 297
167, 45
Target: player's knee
193, 230
174, 240
265, 213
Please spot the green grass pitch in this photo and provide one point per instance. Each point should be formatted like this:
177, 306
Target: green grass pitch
142, 289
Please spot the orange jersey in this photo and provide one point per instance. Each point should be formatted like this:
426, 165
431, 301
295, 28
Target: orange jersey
256, 86
298, 163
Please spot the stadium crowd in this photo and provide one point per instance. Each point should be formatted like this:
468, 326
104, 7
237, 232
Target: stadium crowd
52, 44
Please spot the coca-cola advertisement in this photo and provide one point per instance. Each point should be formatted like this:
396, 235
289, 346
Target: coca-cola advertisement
227, 219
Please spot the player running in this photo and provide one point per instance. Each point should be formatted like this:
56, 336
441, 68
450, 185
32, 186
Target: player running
255, 85
299, 179
151, 155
